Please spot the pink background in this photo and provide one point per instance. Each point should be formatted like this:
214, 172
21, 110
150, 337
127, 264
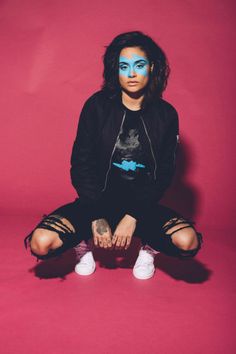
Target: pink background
51, 62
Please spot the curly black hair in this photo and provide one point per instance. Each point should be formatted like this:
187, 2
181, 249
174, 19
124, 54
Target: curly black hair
159, 75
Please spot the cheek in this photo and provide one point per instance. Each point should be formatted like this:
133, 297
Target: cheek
144, 81
122, 78
144, 72
123, 74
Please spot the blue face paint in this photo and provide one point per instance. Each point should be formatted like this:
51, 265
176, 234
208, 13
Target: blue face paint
137, 64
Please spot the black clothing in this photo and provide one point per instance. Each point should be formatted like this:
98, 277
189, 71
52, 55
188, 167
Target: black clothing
130, 165
122, 162
129, 160
99, 125
150, 230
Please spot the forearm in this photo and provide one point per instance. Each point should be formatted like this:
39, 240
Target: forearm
129, 217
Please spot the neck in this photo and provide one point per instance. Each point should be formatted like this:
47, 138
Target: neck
132, 101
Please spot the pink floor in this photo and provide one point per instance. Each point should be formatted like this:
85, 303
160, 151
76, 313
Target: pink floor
188, 307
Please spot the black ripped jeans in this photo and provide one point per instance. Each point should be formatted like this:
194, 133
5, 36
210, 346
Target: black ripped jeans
150, 229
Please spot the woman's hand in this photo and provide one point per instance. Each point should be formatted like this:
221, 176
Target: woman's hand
124, 232
102, 235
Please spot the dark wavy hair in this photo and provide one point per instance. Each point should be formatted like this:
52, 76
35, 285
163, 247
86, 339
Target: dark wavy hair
159, 75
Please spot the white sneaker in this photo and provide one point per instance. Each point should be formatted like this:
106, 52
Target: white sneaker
86, 265
144, 266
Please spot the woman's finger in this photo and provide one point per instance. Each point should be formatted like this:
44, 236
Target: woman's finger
118, 242
100, 241
114, 239
128, 241
95, 240
123, 241
105, 242
109, 243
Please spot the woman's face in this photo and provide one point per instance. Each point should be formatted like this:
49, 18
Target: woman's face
134, 69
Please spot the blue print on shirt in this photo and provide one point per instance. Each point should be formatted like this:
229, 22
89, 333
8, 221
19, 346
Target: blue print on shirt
129, 165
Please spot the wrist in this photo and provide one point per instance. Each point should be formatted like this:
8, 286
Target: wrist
131, 218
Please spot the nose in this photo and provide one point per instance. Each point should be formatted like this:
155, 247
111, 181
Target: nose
132, 72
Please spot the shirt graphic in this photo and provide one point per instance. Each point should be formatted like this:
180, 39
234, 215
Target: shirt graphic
128, 159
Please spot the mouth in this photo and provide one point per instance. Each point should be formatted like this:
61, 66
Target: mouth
132, 83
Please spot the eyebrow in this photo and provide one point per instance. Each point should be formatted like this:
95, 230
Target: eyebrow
136, 61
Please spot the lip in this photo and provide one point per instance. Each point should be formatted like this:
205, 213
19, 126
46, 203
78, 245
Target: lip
132, 83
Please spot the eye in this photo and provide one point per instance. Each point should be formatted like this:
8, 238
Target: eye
140, 65
123, 67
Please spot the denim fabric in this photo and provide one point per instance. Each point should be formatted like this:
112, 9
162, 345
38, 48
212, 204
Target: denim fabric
150, 228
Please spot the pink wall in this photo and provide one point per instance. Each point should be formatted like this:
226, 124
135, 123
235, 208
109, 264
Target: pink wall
51, 61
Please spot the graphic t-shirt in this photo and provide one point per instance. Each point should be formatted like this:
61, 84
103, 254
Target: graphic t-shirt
130, 165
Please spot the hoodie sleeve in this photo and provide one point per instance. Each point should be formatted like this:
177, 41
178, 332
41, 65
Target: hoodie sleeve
83, 169
166, 165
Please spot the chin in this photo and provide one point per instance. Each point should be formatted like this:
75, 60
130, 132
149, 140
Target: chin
133, 90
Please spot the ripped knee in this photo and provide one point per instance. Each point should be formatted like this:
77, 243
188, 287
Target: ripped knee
62, 227
175, 225
56, 223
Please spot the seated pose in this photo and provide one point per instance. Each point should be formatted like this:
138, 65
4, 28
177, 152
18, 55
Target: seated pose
122, 162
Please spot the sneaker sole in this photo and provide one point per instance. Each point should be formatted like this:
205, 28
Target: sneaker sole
144, 277
86, 273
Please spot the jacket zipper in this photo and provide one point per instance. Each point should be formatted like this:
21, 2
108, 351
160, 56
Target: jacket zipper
155, 164
113, 152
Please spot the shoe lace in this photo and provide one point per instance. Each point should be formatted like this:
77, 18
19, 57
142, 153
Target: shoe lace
145, 258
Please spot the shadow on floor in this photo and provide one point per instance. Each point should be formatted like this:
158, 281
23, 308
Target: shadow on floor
188, 270
57, 267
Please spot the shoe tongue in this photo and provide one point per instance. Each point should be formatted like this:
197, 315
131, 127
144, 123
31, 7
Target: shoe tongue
81, 249
150, 250
146, 255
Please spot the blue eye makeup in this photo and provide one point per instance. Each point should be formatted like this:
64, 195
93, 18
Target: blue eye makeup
136, 63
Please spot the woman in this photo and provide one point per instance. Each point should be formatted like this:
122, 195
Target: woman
122, 162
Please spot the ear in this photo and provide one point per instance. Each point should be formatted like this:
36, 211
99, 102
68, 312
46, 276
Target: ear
151, 68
